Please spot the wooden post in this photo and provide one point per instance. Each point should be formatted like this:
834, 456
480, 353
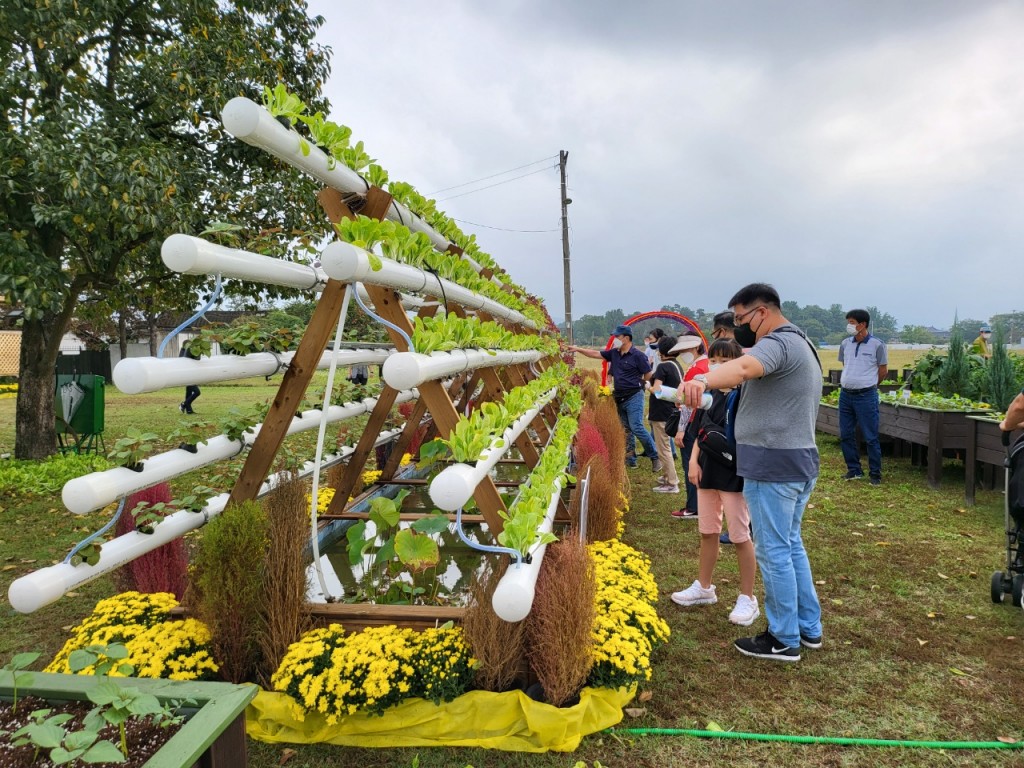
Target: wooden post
971, 462
934, 449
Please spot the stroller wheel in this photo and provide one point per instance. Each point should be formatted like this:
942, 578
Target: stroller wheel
997, 587
1017, 589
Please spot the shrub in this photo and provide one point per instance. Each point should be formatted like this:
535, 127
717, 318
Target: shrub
559, 626
588, 444
164, 569
1000, 377
497, 644
228, 586
955, 376
285, 617
603, 500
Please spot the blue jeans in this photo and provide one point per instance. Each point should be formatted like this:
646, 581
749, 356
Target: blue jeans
631, 414
790, 600
861, 409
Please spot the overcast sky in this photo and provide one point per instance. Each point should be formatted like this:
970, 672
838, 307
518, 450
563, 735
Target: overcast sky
860, 153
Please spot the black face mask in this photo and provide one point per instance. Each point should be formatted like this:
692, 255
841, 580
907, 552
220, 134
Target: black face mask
745, 337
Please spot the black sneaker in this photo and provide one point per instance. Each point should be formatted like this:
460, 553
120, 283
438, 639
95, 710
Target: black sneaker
765, 646
181, 407
852, 475
814, 643
876, 481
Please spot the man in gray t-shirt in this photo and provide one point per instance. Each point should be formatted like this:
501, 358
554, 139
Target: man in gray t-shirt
777, 457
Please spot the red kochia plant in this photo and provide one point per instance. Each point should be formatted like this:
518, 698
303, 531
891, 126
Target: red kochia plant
406, 409
589, 443
164, 569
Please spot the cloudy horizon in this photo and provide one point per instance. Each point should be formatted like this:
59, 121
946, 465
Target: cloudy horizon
846, 152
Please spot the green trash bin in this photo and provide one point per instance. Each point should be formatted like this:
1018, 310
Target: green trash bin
84, 397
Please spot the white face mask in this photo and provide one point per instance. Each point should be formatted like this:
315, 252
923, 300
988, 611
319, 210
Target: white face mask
851, 329
712, 366
687, 358
616, 343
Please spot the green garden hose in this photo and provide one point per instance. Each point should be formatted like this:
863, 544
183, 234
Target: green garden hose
850, 742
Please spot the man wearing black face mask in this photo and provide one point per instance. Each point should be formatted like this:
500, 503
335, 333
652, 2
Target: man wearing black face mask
777, 457
630, 369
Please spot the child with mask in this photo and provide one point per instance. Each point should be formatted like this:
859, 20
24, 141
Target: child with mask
720, 490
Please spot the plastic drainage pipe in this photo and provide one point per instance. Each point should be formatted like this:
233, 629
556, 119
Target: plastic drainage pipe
250, 122
410, 369
34, 590
135, 375
455, 484
513, 597
194, 256
349, 264
97, 489
838, 740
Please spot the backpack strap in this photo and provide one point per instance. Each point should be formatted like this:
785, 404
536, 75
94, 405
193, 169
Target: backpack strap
803, 336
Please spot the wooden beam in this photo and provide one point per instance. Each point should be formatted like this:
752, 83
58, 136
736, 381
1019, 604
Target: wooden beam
356, 616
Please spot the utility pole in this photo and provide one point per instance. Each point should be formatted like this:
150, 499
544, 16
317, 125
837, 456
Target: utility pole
563, 157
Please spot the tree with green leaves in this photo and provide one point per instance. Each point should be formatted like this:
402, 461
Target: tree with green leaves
1000, 377
954, 378
110, 141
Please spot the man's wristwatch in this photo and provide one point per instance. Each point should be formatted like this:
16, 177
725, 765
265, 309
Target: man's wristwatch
702, 378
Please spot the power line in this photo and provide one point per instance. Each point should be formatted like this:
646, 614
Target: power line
492, 176
497, 184
503, 229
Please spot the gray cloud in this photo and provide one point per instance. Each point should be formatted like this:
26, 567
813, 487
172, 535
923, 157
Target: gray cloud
859, 153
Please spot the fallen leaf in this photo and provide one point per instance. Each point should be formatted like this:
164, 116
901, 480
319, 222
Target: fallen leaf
70, 594
960, 672
1011, 637
810, 506
286, 755
9, 567
882, 544
856, 533
29, 561
836, 601
1006, 739
968, 616
972, 574
922, 642
941, 575
882, 525
966, 535
871, 525
820, 583
635, 711
961, 510
875, 586
645, 696
713, 726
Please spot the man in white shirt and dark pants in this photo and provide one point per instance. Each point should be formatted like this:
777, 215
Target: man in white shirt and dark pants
865, 363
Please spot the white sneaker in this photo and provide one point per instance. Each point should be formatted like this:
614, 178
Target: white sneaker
695, 594
745, 612
666, 488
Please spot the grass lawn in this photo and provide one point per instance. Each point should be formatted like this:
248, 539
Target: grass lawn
914, 647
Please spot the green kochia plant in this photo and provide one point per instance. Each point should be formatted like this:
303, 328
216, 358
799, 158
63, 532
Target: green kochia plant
398, 549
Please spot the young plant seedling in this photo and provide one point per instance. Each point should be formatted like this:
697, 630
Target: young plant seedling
15, 666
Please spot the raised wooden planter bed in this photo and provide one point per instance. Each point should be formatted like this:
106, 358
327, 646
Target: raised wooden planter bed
985, 455
933, 430
212, 737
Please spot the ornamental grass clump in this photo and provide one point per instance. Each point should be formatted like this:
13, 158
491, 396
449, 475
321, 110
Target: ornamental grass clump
157, 645
497, 644
559, 625
228, 586
334, 674
285, 615
604, 500
626, 628
606, 419
164, 569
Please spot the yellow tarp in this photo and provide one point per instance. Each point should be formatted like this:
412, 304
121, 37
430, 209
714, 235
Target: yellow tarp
509, 721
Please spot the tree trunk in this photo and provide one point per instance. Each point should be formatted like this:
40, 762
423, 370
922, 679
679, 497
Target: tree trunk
36, 437
154, 342
122, 334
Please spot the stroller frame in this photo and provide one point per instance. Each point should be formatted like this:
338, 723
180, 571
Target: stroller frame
1011, 581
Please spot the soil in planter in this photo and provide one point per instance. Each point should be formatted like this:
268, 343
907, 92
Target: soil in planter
145, 738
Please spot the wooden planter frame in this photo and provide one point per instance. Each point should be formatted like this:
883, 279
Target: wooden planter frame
212, 737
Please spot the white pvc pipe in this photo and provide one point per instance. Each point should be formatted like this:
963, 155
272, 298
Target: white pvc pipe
412, 368
250, 122
135, 375
454, 485
513, 597
194, 256
34, 590
97, 489
349, 264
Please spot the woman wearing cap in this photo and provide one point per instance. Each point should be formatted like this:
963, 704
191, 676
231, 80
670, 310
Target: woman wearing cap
980, 345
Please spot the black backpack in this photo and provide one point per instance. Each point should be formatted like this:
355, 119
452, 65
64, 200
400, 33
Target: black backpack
719, 441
